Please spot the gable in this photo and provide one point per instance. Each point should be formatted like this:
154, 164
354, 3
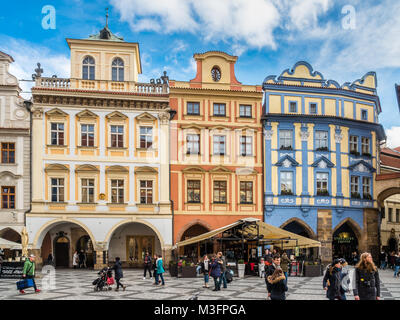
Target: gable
287, 162
362, 166
322, 163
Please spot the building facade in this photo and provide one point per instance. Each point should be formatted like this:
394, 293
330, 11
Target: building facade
15, 154
321, 156
216, 149
100, 158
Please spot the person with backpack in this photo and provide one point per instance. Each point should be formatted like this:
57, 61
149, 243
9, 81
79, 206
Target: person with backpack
205, 269
147, 265
29, 272
215, 272
118, 273
160, 270
366, 279
332, 281
278, 285
222, 279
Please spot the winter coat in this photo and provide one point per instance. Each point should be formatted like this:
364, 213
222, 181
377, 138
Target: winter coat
366, 284
269, 270
118, 270
29, 268
223, 264
203, 268
75, 259
278, 288
285, 261
147, 261
397, 261
334, 276
160, 267
215, 269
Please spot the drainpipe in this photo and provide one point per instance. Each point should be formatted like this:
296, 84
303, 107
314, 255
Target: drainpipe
28, 106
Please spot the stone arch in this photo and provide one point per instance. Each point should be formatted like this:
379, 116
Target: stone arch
38, 239
191, 224
10, 234
108, 237
303, 224
386, 194
356, 228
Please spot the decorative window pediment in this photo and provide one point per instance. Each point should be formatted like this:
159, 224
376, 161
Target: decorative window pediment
286, 162
116, 116
56, 167
245, 171
117, 169
220, 169
146, 117
193, 170
56, 113
362, 166
145, 170
323, 163
86, 168
87, 114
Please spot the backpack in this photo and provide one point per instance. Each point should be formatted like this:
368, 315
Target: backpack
228, 276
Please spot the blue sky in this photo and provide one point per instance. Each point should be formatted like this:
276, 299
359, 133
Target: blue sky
267, 35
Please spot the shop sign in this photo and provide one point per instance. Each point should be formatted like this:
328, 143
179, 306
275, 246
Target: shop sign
11, 270
344, 237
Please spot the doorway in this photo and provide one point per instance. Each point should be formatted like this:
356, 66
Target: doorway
61, 252
344, 242
85, 245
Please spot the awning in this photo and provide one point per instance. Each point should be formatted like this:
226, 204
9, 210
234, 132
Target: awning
6, 244
270, 234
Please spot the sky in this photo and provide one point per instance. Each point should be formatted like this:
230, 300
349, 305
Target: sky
342, 39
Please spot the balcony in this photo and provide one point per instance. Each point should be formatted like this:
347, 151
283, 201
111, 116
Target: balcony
102, 85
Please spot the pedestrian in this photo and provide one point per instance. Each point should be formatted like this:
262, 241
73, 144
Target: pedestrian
160, 270
154, 267
278, 285
118, 273
366, 279
205, 270
396, 264
383, 259
261, 268
355, 258
29, 272
267, 257
285, 262
81, 259
147, 265
345, 276
332, 281
222, 279
75, 260
276, 262
215, 272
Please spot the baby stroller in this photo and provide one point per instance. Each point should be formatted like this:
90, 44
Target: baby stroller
105, 280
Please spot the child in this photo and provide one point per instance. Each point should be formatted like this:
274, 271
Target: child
261, 268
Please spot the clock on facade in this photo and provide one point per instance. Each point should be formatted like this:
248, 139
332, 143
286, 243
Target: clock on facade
216, 74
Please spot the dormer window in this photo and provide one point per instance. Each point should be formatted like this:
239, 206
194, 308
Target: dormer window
118, 70
88, 68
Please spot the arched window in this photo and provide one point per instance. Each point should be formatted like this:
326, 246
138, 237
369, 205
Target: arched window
88, 68
118, 70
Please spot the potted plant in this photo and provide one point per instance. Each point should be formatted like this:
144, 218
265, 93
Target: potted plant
312, 269
286, 148
241, 268
322, 149
323, 193
355, 195
286, 193
188, 270
355, 153
366, 154
173, 268
367, 196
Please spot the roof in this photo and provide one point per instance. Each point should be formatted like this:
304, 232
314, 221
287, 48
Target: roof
7, 56
105, 35
390, 157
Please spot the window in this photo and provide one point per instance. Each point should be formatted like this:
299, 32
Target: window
245, 111
397, 215
146, 137
88, 68
219, 145
146, 192
87, 190
322, 184
219, 109
354, 183
193, 191
365, 146
8, 197
353, 144
286, 183
246, 192
87, 135
57, 189
219, 192
364, 115
285, 139
8, 152
390, 215
246, 146
193, 108
57, 134
292, 106
193, 143
366, 183
117, 136
313, 108
117, 191
216, 73
321, 140
117, 70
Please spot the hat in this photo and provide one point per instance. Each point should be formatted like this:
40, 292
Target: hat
342, 260
336, 261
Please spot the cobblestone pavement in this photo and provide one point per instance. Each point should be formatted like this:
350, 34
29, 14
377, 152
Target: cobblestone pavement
77, 285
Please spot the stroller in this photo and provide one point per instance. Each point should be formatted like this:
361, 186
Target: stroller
105, 280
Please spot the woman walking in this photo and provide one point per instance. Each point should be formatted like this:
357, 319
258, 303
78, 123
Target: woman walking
154, 267
205, 269
160, 270
332, 281
366, 279
75, 260
118, 273
215, 273
278, 285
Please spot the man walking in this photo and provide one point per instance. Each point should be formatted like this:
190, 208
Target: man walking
29, 272
147, 265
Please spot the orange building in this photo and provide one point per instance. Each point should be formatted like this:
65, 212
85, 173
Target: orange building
216, 148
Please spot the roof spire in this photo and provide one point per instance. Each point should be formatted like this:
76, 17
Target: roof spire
107, 18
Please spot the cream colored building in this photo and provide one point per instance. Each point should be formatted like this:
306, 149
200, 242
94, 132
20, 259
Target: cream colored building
100, 158
15, 154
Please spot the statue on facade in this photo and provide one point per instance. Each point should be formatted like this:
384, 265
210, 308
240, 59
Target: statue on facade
24, 242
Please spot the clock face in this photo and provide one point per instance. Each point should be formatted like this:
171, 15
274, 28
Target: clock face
216, 74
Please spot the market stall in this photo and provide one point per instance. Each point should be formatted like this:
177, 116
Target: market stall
11, 264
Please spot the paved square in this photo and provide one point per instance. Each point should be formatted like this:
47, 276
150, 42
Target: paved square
77, 285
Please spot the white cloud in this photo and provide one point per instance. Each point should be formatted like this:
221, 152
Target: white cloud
393, 137
27, 55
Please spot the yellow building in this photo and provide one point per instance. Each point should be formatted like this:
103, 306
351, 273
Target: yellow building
100, 159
